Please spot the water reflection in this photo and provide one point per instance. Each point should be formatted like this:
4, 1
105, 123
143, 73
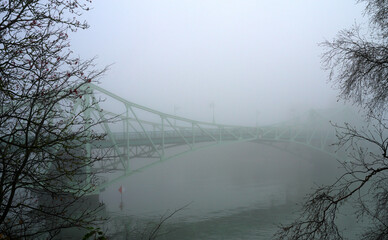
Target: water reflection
235, 190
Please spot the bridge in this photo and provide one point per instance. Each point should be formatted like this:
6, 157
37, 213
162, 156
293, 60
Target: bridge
134, 131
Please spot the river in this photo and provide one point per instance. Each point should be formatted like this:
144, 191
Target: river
235, 191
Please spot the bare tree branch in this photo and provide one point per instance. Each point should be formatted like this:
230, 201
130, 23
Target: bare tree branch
43, 183
358, 65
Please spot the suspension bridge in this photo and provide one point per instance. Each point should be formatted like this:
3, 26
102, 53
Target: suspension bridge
134, 131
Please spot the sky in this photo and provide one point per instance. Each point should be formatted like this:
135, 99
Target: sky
255, 60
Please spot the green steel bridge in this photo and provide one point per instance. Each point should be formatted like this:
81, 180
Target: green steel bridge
134, 131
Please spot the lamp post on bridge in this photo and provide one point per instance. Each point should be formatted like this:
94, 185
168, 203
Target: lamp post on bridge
257, 118
212, 106
176, 108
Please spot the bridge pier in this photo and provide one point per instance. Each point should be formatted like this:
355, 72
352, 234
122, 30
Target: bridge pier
86, 208
63, 202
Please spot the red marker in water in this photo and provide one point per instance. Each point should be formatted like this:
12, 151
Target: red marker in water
121, 197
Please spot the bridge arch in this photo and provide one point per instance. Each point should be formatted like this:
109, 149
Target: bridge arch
136, 131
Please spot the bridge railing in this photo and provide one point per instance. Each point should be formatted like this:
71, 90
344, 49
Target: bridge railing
187, 133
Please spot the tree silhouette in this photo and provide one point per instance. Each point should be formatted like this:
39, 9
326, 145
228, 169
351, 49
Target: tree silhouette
358, 64
43, 125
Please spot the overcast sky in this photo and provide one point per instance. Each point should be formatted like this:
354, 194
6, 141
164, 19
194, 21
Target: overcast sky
246, 56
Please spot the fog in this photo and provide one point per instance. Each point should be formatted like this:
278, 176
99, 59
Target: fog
256, 62
250, 58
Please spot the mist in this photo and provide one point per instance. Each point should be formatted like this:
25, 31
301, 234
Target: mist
249, 58
193, 119
250, 63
